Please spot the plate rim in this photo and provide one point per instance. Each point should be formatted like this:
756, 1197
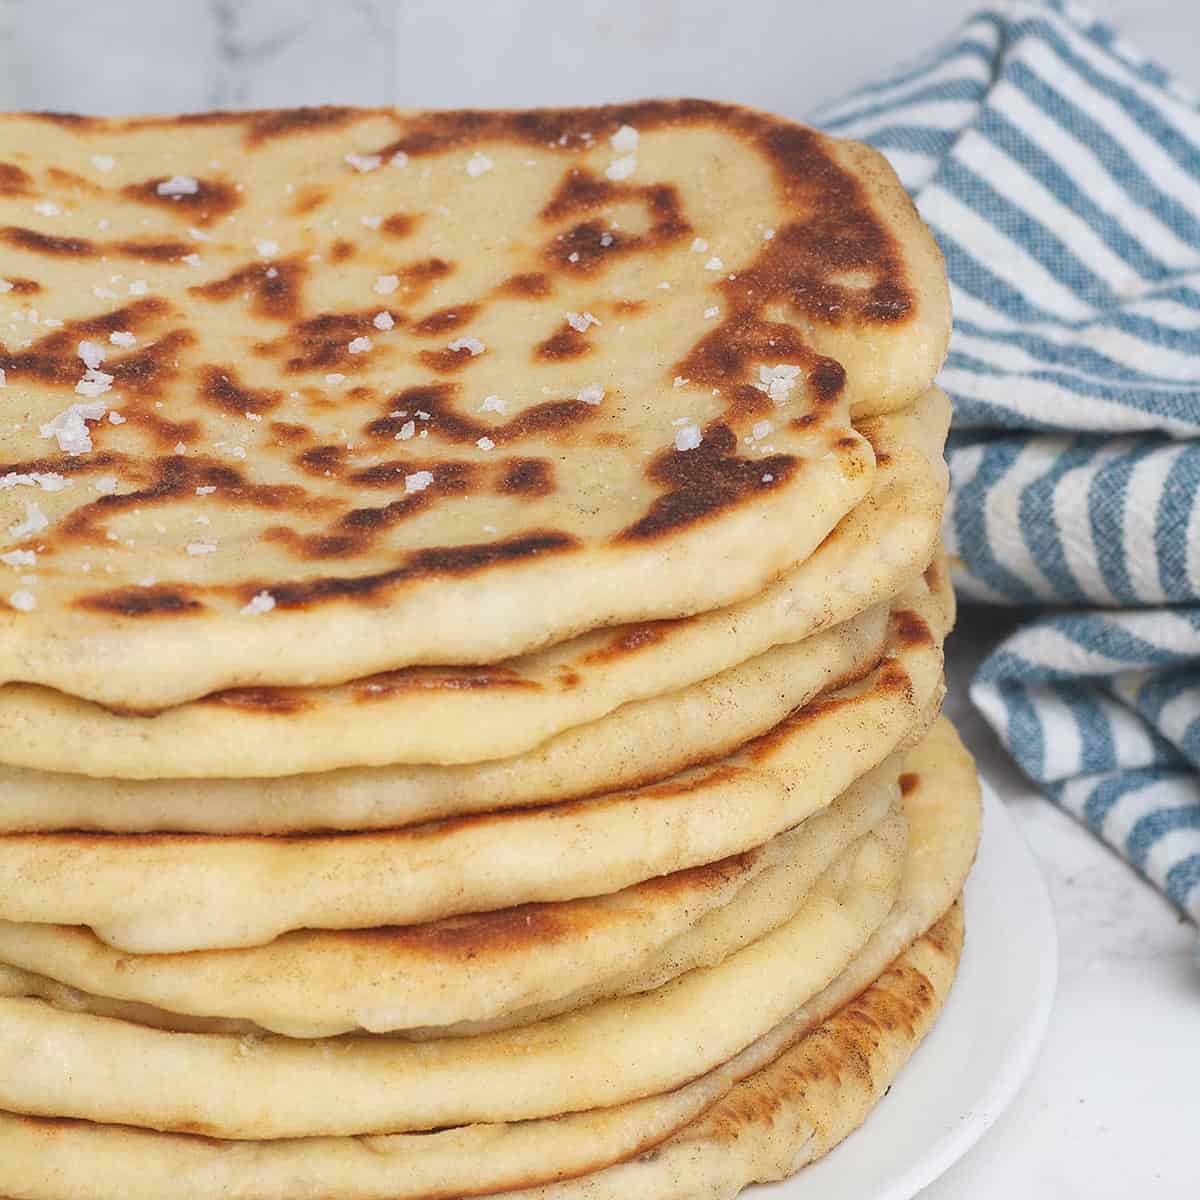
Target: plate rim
1006, 848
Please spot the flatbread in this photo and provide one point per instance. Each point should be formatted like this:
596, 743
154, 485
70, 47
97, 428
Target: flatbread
795, 1111
167, 893
617, 1050
364, 483
68, 1160
493, 970
471, 714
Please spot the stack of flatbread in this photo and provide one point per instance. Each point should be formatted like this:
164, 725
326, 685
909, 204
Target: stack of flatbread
471, 647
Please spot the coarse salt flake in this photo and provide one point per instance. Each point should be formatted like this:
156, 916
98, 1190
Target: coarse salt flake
359, 345
679, 381
94, 383
383, 321
493, 404
197, 549
768, 478
778, 381
69, 427
92, 354
35, 521
621, 168
106, 485
47, 208
103, 162
625, 140
709, 313
363, 162
23, 601
688, 437
418, 481
3, 378
19, 558
115, 418
266, 247
581, 321
261, 603
371, 222
406, 431
386, 284
486, 443
714, 264
606, 240
399, 159
47, 481
122, 338
592, 394
478, 164
205, 490
471, 344
178, 185
699, 246
335, 377
192, 260
760, 429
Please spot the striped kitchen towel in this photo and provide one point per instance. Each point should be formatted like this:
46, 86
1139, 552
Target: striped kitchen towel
1061, 174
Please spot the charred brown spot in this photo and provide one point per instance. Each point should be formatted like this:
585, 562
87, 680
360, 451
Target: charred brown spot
908, 782
636, 638
342, 250
564, 343
933, 576
827, 379
528, 477
142, 602
146, 371
437, 679
911, 628
70, 181
309, 199
583, 247
276, 702
724, 357
446, 360
445, 320
704, 481
324, 341
212, 198
150, 251
271, 289
288, 432
447, 423
55, 357
13, 180
220, 387
580, 191
322, 460
44, 243
628, 308
282, 122
399, 224
420, 564
24, 287
531, 285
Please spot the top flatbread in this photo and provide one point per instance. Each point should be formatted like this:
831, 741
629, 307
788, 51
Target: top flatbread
438, 387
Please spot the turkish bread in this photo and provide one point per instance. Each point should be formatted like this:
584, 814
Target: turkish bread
382, 379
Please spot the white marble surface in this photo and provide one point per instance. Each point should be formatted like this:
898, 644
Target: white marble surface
1112, 1109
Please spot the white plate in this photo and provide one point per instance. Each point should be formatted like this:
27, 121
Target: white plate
978, 1054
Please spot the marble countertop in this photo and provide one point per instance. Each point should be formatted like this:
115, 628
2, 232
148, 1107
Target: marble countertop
1111, 1109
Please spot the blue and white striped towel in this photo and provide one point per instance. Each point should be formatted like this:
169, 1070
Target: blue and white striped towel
1061, 174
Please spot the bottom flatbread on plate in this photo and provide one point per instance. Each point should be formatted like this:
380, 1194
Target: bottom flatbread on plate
45, 1159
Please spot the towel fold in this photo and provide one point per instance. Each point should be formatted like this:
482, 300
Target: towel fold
1060, 172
